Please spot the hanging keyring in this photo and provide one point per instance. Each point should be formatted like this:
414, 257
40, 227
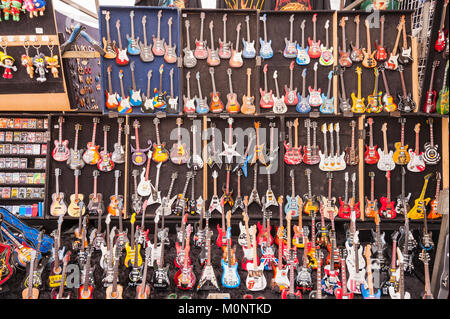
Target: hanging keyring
26, 59
4, 46
37, 48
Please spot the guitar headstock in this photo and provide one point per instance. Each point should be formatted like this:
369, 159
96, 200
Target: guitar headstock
356, 20
327, 24
108, 219
428, 176
296, 123
77, 173
133, 218
401, 23
337, 127
189, 175
424, 257
308, 172
249, 71
229, 72
247, 19
330, 128
67, 257
230, 121
291, 18
132, 14
368, 252
438, 177
224, 18
400, 68
174, 175
402, 120
263, 18
188, 230
214, 174
187, 24
118, 24
211, 25
161, 69
329, 175
352, 124
238, 27
136, 124
346, 177
319, 256
194, 129
314, 18
436, 64
280, 199
342, 21
275, 74
324, 128
117, 173
107, 16
371, 174
60, 120
384, 127
202, 15
156, 121
149, 74
132, 65
265, 68
314, 125
302, 26
375, 72
395, 235
120, 75
353, 177
257, 124
367, 23
316, 66
169, 22
381, 67
417, 128
403, 171
106, 128
159, 14
304, 73
57, 172
109, 69
358, 70
96, 173
144, 20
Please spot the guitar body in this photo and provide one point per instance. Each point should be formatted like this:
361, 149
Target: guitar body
160, 277
386, 161
371, 156
265, 50
58, 206
405, 56
290, 50
230, 277
232, 103
221, 237
439, 45
248, 257
430, 104
138, 157
216, 105
292, 156
314, 51
369, 60
351, 156
189, 60
256, 281
358, 104
401, 155
109, 48
326, 57
248, 106
171, 54
290, 96
110, 294
124, 105
112, 100
129, 258
189, 105
61, 152
314, 97
202, 106
302, 55
115, 202
431, 154
355, 280
331, 281
327, 106
200, 51
387, 209
366, 293
389, 104
224, 49
339, 293
160, 154
381, 54
236, 59
261, 237
292, 205
74, 206
213, 57
371, 208
344, 209
417, 162
442, 102
280, 278
122, 57
310, 155
266, 101
158, 46
406, 104
374, 104
249, 51
178, 154
146, 54
303, 280
105, 164
418, 210
344, 59
133, 46
303, 105
88, 294
356, 55
159, 100
135, 97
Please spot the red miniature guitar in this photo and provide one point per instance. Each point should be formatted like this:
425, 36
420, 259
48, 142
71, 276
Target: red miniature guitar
387, 209
441, 39
371, 155
314, 46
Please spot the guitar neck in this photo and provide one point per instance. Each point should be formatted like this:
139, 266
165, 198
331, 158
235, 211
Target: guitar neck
344, 96
386, 86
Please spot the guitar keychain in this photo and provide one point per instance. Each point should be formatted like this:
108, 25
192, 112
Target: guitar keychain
39, 64
52, 61
7, 62
26, 60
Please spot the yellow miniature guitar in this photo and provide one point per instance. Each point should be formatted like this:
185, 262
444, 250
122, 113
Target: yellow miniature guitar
358, 101
418, 210
401, 155
132, 248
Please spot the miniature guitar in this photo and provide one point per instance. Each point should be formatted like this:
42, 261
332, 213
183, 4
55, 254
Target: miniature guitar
158, 48
430, 102
329, 203
442, 102
293, 154
124, 104
133, 250
434, 212
232, 105
392, 62
133, 43
315, 100
76, 200
213, 54
258, 155
369, 59
58, 206
115, 290
200, 51
441, 38
143, 289
331, 282
105, 164
290, 50
317, 294
401, 155
109, 46
356, 55
122, 57
139, 157
314, 46
386, 161
344, 55
170, 55
61, 152
115, 207
213, 154
339, 158
405, 56
351, 156
236, 55
254, 196
195, 161
173, 100
387, 209
371, 156
146, 54
387, 99
208, 275
160, 98
215, 203
147, 106
381, 54
112, 98
118, 155
227, 197
189, 104
265, 50
56, 293
418, 211
179, 154
342, 292
345, 208
256, 281
303, 103
310, 205
266, 101
279, 106
160, 154
86, 290
189, 59
327, 106
248, 101
135, 95
431, 155
224, 47
372, 205
185, 278
344, 104
290, 97
302, 51
406, 103
374, 104
249, 51
326, 57
417, 162
358, 101
216, 105
324, 163
230, 277
369, 292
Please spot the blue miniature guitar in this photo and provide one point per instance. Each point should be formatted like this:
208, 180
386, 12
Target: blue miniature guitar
230, 276
249, 46
302, 51
327, 106
303, 104
265, 51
